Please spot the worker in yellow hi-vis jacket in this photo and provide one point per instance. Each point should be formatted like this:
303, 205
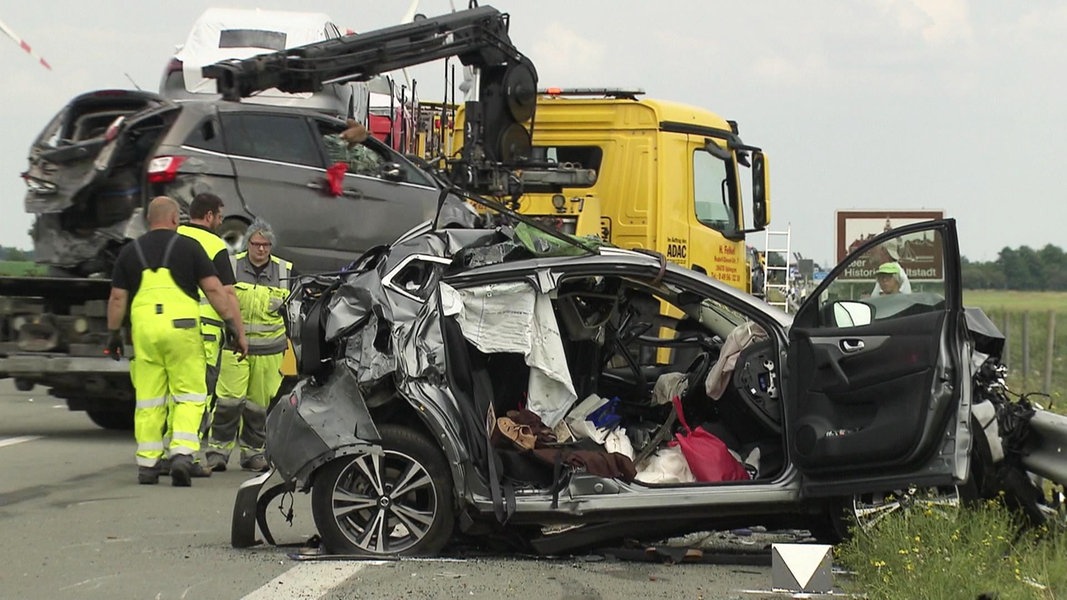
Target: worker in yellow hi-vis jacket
245, 388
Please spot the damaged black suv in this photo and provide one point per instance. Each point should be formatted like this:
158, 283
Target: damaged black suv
99, 161
512, 382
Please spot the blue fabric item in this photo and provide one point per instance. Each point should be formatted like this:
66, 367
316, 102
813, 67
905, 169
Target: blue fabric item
604, 416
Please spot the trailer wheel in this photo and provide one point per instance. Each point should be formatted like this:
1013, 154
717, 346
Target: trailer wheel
118, 420
232, 231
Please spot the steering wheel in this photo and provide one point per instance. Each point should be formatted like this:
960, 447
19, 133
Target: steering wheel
695, 375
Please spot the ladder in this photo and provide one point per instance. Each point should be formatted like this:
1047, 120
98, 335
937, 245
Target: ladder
777, 293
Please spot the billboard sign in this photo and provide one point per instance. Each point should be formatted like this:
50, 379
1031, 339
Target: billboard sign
921, 258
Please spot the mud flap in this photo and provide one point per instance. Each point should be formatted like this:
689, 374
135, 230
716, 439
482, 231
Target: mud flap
264, 502
243, 525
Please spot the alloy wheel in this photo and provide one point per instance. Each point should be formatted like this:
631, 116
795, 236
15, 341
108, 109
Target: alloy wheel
869, 509
384, 503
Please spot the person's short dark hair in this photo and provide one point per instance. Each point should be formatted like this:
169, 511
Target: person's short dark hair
203, 204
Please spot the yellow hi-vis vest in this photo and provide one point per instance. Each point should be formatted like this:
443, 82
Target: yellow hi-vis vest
159, 303
210, 321
260, 297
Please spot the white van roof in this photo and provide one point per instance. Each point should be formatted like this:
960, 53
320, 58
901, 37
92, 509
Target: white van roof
221, 33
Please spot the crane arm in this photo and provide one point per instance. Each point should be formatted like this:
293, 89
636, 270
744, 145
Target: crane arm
478, 37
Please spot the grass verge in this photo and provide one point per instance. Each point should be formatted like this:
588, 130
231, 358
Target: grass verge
978, 554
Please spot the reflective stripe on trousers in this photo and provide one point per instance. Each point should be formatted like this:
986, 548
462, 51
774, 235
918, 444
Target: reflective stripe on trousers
245, 390
167, 364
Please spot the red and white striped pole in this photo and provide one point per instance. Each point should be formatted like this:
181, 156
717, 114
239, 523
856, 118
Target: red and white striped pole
22, 44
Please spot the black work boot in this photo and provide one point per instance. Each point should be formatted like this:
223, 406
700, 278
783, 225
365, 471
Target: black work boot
148, 475
181, 470
200, 469
216, 462
256, 463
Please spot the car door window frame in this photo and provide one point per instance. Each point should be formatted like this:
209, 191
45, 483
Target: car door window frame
411, 173
926, 454
279, 145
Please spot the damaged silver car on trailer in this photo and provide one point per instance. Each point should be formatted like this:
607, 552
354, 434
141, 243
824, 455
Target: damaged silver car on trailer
508, 380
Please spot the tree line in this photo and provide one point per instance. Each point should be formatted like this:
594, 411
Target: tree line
15, 254
1020, 268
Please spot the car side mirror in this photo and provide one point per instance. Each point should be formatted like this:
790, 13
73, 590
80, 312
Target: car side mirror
849, 313
392, 171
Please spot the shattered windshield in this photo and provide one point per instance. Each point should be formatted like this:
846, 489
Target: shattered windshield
536, 237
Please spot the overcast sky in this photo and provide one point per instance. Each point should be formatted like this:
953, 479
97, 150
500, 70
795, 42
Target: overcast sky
860, 104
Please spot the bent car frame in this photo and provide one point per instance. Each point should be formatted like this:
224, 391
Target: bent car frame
511, 382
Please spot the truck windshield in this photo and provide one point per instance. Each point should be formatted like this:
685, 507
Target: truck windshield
714, 192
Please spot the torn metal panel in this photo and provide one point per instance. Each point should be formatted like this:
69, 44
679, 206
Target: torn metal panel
59, 247
309, 426
365, 354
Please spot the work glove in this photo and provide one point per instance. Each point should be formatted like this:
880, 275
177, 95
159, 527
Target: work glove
231, 339
229, 334
114, 346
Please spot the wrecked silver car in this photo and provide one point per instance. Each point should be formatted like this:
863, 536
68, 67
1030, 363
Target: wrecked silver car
94, 168
561, 393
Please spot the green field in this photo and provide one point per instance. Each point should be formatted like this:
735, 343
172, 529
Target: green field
19, 268
1016, 312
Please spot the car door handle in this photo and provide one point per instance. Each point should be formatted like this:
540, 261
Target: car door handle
350, 192
851, 345
354, 193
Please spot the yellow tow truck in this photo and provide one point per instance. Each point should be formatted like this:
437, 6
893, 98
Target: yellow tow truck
666, 177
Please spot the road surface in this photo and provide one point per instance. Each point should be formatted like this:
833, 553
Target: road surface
75, 524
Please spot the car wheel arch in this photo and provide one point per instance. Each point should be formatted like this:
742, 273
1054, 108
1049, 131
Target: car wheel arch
404, 414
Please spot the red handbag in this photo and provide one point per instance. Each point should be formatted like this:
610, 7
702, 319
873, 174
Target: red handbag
708, 457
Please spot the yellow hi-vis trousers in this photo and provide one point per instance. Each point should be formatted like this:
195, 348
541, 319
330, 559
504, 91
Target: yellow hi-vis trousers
245, 390
167, 370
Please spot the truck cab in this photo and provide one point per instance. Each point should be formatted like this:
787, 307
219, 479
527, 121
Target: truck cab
665, 177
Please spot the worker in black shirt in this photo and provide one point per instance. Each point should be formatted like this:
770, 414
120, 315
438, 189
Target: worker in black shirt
159, 276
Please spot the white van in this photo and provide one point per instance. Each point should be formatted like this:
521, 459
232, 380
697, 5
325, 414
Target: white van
221, 33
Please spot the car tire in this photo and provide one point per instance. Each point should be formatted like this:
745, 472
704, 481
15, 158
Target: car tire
232, 231
358, 511
117, 420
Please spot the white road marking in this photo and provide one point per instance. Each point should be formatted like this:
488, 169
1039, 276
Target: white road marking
18, 440
308, 580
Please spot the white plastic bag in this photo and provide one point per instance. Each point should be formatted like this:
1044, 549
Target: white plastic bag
616, 441
667, 465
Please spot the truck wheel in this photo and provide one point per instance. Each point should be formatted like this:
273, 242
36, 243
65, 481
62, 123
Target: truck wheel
232, 231
398, 503
23, 385
121, 419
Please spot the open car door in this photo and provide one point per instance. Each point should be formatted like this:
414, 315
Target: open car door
878, 382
